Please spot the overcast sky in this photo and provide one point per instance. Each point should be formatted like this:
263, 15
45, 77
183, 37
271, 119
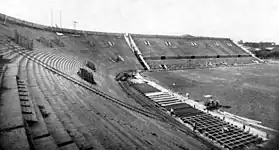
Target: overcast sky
250, 20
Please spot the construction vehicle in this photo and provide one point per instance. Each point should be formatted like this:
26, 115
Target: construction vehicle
123, 76
212, 104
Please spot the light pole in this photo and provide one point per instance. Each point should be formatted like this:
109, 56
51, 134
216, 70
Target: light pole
74, 23
51, 16
60, 19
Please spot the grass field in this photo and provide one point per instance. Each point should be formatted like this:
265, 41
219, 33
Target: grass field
252, 91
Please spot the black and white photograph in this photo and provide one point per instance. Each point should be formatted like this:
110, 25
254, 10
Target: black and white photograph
139, 74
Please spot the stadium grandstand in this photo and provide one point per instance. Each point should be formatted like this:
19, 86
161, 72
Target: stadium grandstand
72, 89
175, 52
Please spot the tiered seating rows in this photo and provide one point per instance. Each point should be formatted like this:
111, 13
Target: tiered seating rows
78, 106
12, 127
43, 83
53, 98
54, 123
41, 134
157, 47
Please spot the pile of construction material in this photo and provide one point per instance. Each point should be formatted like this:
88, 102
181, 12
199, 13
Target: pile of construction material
86, 75
91, 65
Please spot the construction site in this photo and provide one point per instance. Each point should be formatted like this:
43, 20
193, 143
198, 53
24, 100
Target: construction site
73, 89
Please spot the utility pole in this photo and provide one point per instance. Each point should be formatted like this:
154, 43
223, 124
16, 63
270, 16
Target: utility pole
5, 19
51, 17
74, 23
60, 19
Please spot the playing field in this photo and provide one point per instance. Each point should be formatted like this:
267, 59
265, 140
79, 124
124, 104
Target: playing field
251, 91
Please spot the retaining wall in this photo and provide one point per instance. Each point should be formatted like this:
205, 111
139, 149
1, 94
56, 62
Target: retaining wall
194, 57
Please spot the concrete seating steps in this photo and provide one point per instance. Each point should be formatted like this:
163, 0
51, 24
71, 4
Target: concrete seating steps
3, 68
44, 138
73, 101
78, 111
39, 131
55, 136
25, 103
13, 133
66, 67
86, 105
206, 47
16, 59
61, 63
6, 53
27, 106
55, 61
45, 84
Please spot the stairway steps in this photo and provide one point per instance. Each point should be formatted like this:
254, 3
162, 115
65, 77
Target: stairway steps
54, 126
12, 131
27, 107
14, 139
45, 143
74, 132
38, 132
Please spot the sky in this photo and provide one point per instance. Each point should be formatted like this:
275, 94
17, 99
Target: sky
248, 20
